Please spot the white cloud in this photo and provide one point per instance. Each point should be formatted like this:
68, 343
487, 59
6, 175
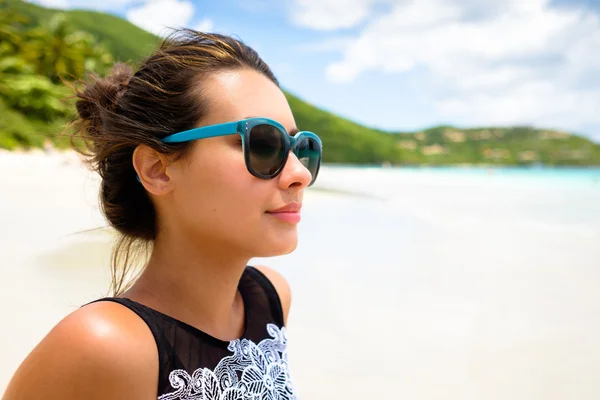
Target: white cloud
63, 4
157, 16
206, 25
103, 5
331, 14
486, 61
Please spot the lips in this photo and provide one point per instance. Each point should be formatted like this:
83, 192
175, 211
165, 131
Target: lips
290, 207
289, 213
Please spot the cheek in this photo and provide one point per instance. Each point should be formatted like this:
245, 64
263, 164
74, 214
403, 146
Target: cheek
221, 198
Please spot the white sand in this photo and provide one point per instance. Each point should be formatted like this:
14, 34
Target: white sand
436, 286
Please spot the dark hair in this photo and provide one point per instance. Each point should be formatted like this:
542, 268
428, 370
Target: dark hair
125, 109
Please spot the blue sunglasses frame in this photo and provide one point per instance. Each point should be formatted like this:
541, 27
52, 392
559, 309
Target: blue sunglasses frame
243, 128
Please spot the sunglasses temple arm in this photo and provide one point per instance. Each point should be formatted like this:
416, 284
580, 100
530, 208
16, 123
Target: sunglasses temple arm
204, 132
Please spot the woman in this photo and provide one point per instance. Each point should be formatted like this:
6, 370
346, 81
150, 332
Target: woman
201, 160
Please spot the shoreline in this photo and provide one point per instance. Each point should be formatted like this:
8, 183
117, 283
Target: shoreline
67, 156
71, 155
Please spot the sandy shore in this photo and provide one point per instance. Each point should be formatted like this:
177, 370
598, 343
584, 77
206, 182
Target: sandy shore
422, 286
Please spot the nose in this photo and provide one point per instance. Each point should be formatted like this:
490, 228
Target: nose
294, 174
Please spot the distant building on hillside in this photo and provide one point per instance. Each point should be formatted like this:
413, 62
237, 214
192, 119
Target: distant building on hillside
434, 149
455, 136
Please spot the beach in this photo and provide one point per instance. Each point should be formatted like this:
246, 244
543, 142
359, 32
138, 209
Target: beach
412, 283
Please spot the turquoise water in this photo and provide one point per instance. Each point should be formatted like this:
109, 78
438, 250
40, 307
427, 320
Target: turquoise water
382, 181
572, 174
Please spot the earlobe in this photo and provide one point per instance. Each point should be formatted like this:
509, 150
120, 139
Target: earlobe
151, 169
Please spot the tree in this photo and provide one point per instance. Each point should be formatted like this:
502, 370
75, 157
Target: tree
35, 60
58, 51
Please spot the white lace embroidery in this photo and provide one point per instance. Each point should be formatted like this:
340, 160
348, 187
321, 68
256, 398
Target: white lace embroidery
252, 372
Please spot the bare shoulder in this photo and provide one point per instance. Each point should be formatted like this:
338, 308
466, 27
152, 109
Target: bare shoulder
100, 351
281, 285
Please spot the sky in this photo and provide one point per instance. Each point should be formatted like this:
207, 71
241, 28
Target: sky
405, 65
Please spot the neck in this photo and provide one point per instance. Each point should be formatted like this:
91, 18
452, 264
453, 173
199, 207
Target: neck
194, 284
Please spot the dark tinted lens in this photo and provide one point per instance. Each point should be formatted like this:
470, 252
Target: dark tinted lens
308, 152
266, 149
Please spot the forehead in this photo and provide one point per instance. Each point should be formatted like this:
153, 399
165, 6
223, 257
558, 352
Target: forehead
238, 94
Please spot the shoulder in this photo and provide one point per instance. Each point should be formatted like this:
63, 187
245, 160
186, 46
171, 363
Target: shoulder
102, 350
281, 286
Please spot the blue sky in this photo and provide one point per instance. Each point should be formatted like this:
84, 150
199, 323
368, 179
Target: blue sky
411, 64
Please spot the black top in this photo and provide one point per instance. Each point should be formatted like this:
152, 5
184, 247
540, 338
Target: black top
196, 365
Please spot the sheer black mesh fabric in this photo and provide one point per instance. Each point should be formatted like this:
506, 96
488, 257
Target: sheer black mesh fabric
181, 346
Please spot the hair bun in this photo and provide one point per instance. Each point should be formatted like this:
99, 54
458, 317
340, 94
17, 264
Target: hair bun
103, 94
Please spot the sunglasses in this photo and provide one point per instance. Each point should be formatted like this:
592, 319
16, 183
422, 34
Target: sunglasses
266, 145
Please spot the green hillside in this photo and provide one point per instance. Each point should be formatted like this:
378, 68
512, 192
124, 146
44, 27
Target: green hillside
494, 145
25, 74
125, 41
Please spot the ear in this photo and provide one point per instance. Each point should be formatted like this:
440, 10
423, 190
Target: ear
151, 169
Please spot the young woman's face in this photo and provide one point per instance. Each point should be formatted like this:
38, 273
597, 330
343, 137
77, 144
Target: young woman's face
215, 199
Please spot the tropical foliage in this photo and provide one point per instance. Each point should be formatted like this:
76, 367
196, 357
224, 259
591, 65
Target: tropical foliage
35, 60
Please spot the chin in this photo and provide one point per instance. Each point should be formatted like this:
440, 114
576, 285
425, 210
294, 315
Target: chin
279, 246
